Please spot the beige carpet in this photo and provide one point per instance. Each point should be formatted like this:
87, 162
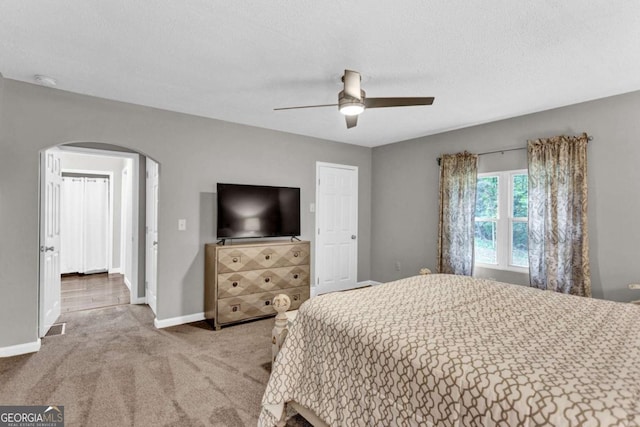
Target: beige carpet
112, 367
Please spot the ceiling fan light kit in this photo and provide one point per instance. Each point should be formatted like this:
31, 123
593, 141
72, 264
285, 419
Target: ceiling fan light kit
352, 109
352, 100
350, 106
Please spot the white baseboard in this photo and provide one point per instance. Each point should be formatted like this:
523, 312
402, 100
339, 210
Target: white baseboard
180, 320
15, 350
115, 270
368, 283
138, 300
134, 300
364, 283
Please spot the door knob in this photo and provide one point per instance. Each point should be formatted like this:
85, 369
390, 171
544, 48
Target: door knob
155, 243
47, 248
353, 237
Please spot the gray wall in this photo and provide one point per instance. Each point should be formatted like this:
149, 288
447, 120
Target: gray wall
405, 183
1, 94
194, 153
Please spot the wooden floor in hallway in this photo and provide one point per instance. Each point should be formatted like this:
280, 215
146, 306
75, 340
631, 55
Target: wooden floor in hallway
87, 291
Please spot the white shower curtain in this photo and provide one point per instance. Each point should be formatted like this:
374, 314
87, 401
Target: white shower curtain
85, 225
71, 224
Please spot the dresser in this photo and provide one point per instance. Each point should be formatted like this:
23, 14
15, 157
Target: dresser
241, 280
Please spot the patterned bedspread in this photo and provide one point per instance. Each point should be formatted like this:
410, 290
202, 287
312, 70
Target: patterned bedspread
442, 350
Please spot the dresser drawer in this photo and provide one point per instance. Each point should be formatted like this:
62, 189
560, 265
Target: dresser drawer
260, 257
243, 307
253, 281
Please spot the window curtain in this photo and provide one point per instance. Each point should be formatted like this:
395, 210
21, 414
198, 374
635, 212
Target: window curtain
558, 235
458, 179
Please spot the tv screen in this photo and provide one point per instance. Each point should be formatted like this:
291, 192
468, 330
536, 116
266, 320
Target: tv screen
257, 211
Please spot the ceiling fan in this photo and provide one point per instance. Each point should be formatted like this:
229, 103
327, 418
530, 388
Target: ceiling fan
352, 101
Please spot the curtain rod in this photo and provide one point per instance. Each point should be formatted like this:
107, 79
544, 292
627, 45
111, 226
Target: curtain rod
589, 138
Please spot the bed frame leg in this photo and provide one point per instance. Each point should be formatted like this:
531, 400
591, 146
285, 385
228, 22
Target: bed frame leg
281, 304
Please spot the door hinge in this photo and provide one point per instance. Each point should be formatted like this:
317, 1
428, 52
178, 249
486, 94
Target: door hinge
318, 281
147, 174
318, 231
318, 181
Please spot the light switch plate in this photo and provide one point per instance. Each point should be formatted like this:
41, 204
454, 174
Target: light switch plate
312, 207
182, 224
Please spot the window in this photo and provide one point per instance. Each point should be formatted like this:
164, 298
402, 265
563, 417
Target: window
501, 239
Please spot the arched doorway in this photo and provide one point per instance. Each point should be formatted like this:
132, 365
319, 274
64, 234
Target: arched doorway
127, 244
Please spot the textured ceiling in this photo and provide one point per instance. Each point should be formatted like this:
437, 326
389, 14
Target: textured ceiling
237, 60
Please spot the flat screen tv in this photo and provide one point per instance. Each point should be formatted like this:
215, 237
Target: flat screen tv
246, 211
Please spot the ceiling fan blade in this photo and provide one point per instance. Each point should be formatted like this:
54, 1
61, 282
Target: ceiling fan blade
397, 102
352, 84
306, 106
352, 121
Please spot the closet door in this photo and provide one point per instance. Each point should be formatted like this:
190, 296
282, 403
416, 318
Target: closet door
71, 225
96, 225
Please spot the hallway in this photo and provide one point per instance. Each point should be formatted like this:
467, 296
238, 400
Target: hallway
84, 292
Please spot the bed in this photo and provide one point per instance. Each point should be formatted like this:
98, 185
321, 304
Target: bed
447, 350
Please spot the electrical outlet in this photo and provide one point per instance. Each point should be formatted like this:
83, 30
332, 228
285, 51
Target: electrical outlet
398, 266
182, 224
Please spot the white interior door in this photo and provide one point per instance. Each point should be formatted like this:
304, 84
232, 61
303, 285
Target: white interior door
50, 193
337, 227
71, 247
152, 234
96, 225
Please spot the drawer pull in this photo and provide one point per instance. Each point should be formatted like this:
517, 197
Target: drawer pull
267, 302
267, 257
235, 260
235, 308
296, 297
267, 279
296, 254
295, 276
234, 284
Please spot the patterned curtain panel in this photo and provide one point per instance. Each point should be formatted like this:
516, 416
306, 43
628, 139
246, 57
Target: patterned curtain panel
558, 235
458, 178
